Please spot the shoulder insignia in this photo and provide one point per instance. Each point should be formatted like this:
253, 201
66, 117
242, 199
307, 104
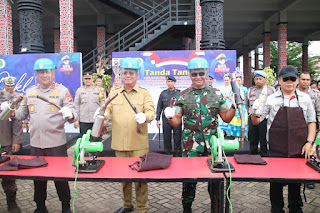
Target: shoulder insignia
68, 96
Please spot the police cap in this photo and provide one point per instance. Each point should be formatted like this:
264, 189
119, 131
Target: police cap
172, 78
261, 73
9, 81
87, 75
289, 71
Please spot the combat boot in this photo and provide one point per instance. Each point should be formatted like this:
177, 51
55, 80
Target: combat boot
41, 207
11, 202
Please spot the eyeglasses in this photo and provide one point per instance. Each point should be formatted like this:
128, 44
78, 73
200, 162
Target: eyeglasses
195, 74
293, 79
131, 73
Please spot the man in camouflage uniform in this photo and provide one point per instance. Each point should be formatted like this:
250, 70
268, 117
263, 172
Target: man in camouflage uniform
304, 82
200, 106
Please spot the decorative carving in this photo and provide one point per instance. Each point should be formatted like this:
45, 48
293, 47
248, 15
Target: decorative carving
30, 23
212, 25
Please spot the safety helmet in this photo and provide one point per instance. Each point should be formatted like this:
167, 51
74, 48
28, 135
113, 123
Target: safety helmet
44, 64
129, 63
198, 63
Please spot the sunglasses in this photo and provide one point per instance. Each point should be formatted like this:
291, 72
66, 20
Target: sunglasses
131, 73
293, 79
195, 74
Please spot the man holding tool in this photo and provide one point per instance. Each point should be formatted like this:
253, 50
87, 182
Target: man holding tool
11, 140
131, 112
200, 106
163, 102
257, 132
48, 113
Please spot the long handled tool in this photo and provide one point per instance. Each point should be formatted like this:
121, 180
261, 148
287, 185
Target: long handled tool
134, 109
54, 104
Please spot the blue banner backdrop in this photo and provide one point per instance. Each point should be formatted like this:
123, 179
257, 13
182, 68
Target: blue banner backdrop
156, 65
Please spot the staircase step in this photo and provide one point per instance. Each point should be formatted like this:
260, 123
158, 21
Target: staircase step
150, 35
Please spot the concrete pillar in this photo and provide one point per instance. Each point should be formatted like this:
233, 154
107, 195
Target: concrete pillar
101, 38
198, 24
212, 25
246, 70
6, 42
266, 49
66, 26
56, 34
30, 26
256, 58
305, 56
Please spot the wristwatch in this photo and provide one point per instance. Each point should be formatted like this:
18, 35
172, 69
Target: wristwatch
311, 142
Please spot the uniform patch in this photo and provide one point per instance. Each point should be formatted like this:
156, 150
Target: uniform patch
69, 98
32, 101
52, 109
34, 92
55, 92
31, 108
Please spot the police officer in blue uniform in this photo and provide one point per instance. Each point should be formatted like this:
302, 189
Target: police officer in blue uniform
163, 102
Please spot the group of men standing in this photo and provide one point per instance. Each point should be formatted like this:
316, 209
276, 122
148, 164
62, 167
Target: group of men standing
197, 108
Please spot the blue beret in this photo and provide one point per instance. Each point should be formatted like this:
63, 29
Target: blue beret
260, 73
170, 77
211, 75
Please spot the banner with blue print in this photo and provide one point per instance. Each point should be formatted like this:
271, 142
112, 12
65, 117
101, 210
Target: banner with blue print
156, 65
20, 66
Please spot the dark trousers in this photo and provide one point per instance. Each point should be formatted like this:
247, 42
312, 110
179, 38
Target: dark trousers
258, 133
294, 198
84, 128
167, 136
8, 184
40, 186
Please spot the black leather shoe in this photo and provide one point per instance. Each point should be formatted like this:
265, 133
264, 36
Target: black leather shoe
310, 185
42, 209
125, 210
66, 210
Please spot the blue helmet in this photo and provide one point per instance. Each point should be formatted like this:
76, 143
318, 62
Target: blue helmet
129, 63
44, 64
198, 63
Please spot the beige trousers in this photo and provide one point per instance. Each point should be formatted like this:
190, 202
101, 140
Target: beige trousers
141, 188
